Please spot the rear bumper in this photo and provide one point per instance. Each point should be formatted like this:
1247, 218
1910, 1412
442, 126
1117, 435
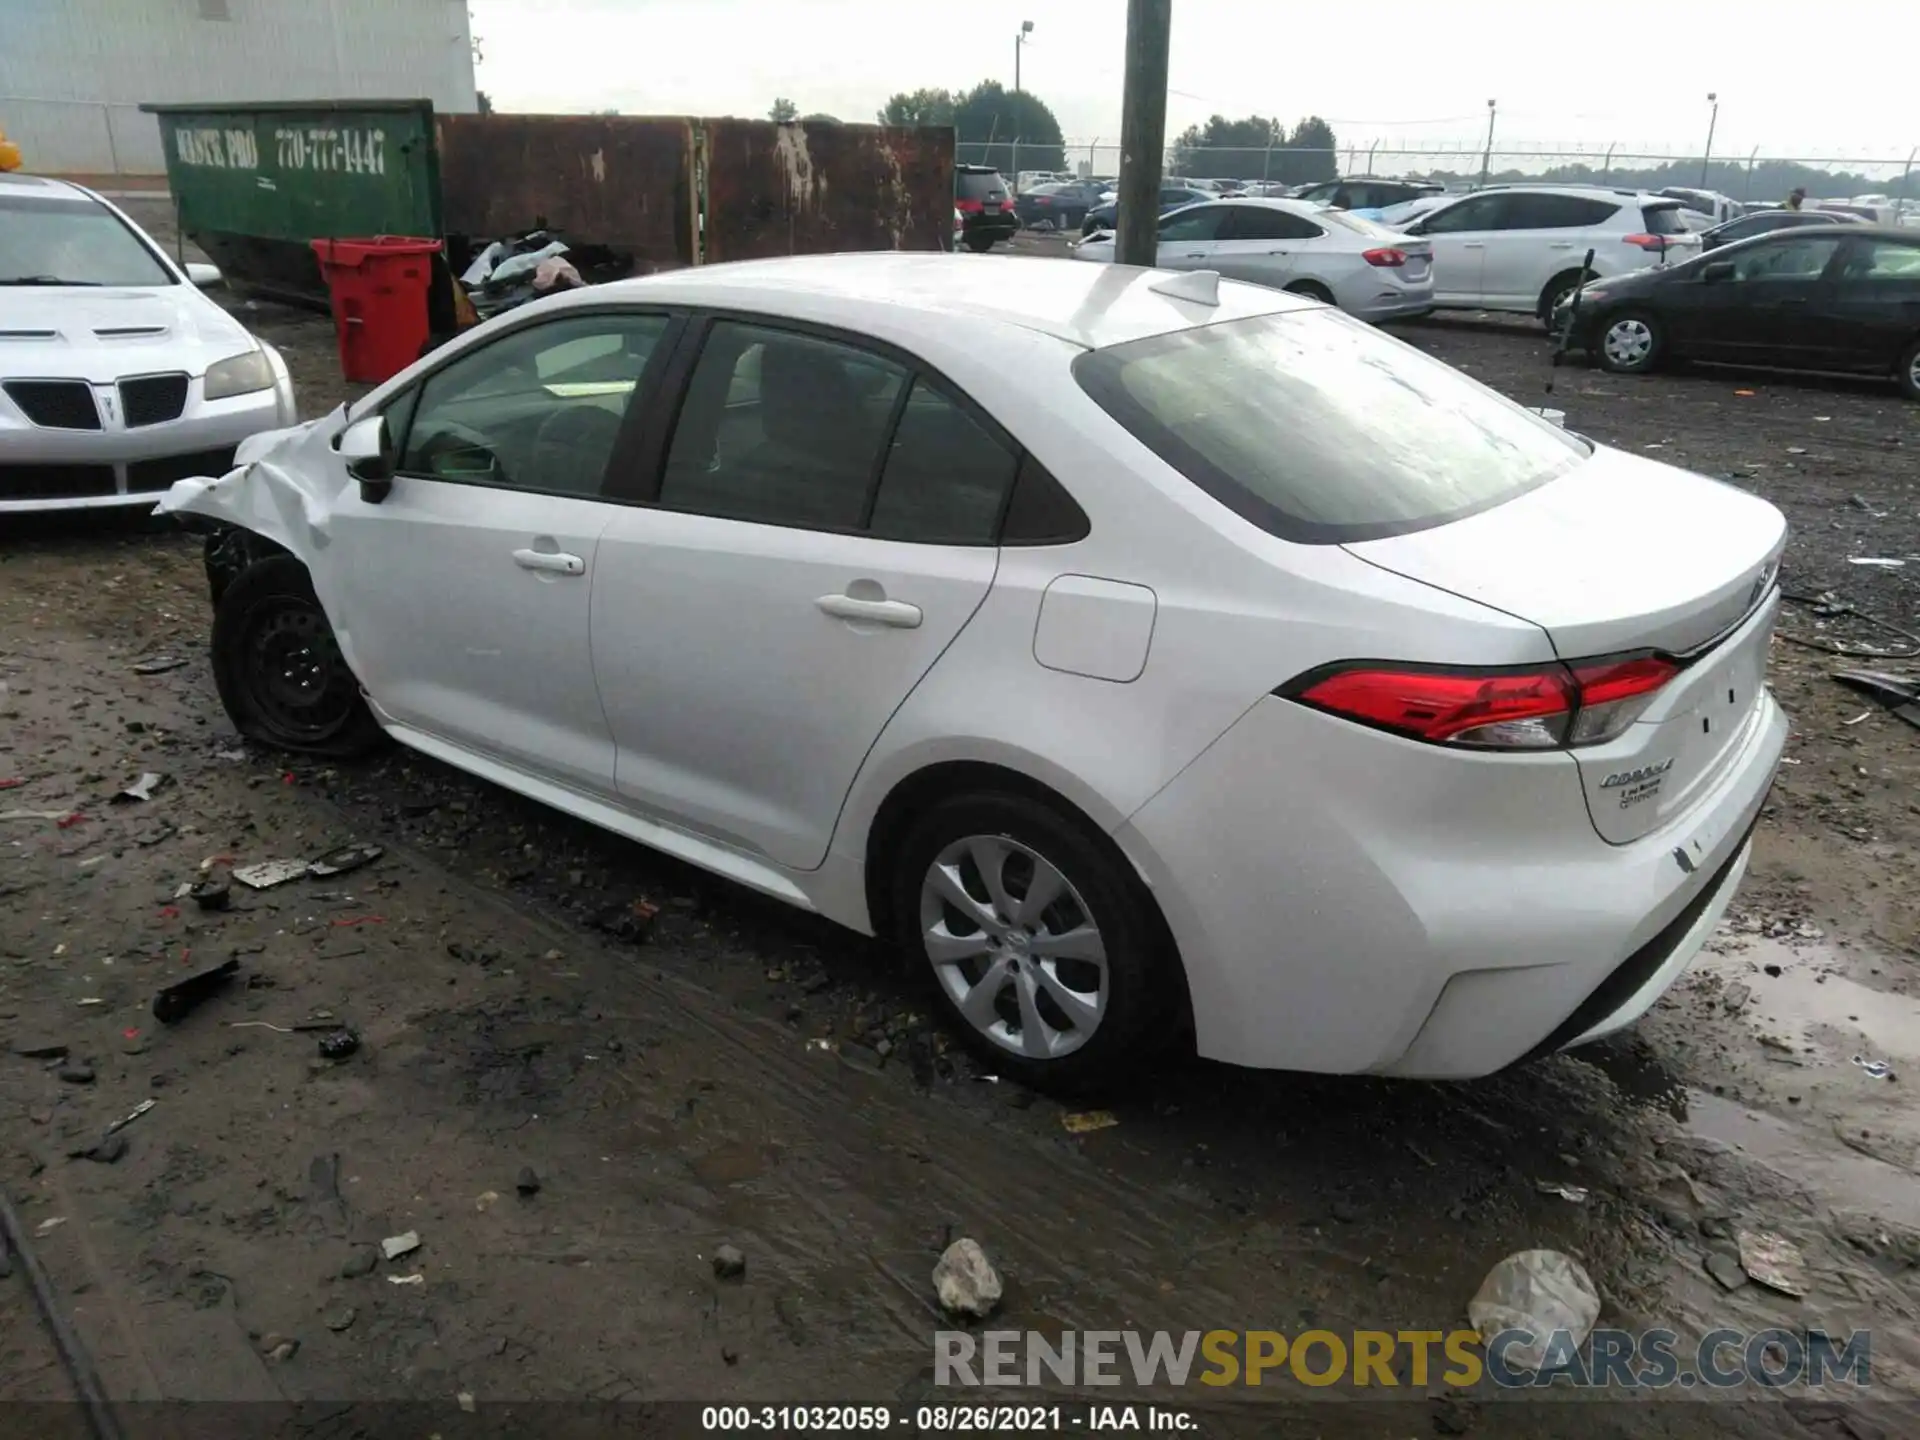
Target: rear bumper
1003, 226
1348, 902
1408, 306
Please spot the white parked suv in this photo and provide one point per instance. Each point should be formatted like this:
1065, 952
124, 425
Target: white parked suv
1520, 247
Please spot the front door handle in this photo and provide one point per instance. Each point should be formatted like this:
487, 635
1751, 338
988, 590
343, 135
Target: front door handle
1196, 255
896, 613
551, 561
1473, 245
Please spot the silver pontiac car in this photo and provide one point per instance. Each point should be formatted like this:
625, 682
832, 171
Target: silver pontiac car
117, 376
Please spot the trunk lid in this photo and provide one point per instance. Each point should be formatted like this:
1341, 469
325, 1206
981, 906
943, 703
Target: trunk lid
1624, 554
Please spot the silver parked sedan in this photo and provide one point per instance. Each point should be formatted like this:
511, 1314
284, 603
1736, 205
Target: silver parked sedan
1369, 271
117, 376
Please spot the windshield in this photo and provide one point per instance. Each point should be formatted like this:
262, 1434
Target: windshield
1319, 429
71, 242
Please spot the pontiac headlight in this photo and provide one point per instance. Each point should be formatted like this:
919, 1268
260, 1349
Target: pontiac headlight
239, 375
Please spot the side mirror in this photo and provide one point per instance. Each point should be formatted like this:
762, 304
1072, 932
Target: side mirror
1717, 272
203, 275
365, 447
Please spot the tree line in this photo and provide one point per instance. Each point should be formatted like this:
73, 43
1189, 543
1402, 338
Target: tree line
1257, 148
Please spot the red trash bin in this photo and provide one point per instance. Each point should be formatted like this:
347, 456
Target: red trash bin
379, 292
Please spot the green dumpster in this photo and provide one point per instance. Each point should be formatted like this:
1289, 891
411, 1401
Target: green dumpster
255, 184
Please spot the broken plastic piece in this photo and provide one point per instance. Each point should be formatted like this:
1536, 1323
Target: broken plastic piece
141, 789
347, 857
269, 873
174, 1002
159, 665
133, 1115
394, 1246
1540, 1292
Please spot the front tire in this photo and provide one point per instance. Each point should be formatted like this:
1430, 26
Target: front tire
1910, 371
1628, 343
279, 670
1044, 950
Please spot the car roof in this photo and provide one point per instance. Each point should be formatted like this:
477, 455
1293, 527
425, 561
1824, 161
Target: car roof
885, 293
41, 187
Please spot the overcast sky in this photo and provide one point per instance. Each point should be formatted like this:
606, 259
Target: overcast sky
1417, 73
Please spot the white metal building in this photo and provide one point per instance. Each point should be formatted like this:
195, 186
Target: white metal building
74, 73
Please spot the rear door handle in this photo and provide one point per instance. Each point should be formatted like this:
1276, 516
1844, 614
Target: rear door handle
1563, 245
552, 561
896, 613
1196, 255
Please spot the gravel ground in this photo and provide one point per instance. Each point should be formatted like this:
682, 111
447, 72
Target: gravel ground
749, 1075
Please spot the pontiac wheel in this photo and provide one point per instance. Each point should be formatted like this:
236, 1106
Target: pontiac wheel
1041, 945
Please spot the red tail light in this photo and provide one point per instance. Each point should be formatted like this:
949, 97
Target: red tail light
1648, 242
969, 207
1534, 709
1386, 257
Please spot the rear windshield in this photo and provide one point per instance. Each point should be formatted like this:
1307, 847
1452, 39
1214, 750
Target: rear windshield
972, 185
1663, 219
1319, 429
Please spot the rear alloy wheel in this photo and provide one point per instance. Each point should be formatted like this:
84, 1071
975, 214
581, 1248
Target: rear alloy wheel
1042, 947
1313, 290
1629, 343
279, 669
1910, 371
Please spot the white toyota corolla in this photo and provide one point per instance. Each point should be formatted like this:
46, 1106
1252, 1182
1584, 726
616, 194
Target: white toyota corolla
117, 376
1146, 653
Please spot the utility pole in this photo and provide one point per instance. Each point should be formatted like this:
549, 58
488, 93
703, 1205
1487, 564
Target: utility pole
1019, 44
1486, 158
1713, 99
1143, 129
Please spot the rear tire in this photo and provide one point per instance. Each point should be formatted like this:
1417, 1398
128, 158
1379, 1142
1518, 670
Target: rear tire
279, 670
1910, 371
979, 244
1312, 289
1557, 289
1109, 1001
1628, 342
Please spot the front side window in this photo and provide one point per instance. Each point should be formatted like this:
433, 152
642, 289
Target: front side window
538, 409
1186, 226
1482, 212
781, 428
1801, 258
1884, 260
71, 240
1319, 429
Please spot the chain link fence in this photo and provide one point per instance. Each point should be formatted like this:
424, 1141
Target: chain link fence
1748, 176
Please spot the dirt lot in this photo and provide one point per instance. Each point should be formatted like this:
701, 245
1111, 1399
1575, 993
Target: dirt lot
751, 1076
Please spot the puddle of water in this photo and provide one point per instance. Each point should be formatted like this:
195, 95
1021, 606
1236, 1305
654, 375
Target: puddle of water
1835, 1174
1812, 1002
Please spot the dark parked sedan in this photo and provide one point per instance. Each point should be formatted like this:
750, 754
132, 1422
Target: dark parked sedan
1843, 298
1764, 222
1063, 206
1172, 197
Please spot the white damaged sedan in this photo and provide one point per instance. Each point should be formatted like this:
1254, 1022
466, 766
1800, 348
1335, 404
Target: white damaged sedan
1154, 658
117, 376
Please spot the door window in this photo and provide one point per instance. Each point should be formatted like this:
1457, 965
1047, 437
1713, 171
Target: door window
1801, 258
1555, 212
781, 429
946, 478
538, 409
1201, 223
1257, 222
1482, 212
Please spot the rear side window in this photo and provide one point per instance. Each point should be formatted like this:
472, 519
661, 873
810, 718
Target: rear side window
1203, 222
1319, 429
1884, 260
1662, 220
946, 478
974, 185
1555, 212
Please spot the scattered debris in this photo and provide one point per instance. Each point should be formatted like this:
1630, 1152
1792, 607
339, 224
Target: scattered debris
1884, 562
465, 1401
1773, 1261
1577, 1194
363, 1261
50, 1224
526, 1182
394, 1246
1540, 1291
340, 1318
339, 1044
106, 1150
346, 858
12, 783
1899, 693
966, 1281
1737, 996
78, 1073
269, 873
174, 1002
406, 1279
279, 1348
211, 894
60, 815
631, 923
1726, 1269
159, 665
1085, 1122
141, 789
40, 1049
125, 1120
1877, 1069
729, 1263
486, 1200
